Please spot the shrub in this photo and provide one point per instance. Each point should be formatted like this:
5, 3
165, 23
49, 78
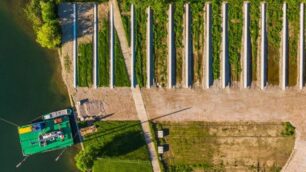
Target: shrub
85, 158
288, 130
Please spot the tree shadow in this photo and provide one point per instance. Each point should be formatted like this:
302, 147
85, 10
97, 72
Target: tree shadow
120, 145
123, 127
84, 24
123, 144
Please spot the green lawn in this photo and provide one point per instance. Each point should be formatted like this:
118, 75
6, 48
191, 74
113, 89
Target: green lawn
121, 140
117, 165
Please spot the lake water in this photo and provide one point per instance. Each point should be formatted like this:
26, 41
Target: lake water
30, 84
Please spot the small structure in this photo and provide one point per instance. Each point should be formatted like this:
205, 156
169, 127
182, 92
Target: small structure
160, 149
160, 134
88, 130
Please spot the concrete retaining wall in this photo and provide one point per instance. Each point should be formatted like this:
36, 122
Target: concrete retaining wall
208, 57
246, 48
75, 45
188, 48
95, 46
224, 63
133, 77
283, 64
262, 50
171, 49
112, 42
150, 61
300, 79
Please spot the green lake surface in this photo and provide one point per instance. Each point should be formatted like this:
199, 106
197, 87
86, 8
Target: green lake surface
30, 84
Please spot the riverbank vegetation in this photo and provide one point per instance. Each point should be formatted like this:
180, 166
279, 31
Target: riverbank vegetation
43, 15
115, 142
224, 146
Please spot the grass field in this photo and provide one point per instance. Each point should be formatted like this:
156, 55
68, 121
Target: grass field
208, 146
118, 140
85, 64
117, 165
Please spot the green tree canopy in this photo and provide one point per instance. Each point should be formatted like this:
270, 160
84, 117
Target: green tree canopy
47, 11
48, 35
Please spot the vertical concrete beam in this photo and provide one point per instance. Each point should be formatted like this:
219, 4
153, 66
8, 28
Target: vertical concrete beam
300, 80
225, 73
262, 60
133, 77
246, 55
95, 57
112, 52
284, 51
208, 58
171, 60
187, 47
150, 66
75, 45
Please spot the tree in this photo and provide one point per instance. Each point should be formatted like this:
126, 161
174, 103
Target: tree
33, 13
48, 35
47, 11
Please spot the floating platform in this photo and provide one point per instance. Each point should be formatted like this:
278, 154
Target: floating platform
46, 135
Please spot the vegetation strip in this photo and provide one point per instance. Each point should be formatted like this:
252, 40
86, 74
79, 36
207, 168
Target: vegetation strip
85, 65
